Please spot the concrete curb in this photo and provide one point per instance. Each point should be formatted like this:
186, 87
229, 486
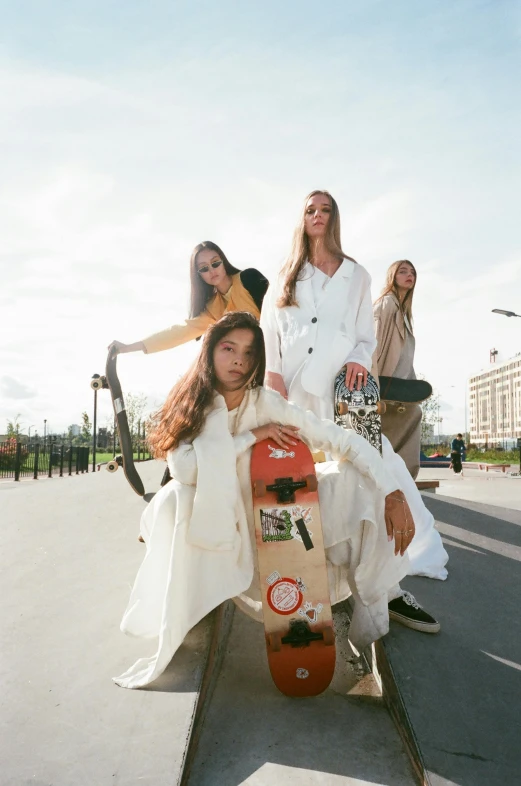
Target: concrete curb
383, 672
221, 627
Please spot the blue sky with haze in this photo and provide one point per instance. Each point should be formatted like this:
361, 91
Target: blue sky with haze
131, 131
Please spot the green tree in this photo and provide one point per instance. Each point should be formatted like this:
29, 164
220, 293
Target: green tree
13, 426
135, 404
429, 418
86, 428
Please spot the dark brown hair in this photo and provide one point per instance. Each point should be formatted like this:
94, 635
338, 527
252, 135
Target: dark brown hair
200, 291
183, 414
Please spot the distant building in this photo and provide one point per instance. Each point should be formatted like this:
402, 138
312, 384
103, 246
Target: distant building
494, 399
75, 430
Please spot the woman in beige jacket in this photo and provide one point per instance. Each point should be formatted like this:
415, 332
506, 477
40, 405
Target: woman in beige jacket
395, 358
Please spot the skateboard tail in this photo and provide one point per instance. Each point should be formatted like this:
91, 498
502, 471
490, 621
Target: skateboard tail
125, 439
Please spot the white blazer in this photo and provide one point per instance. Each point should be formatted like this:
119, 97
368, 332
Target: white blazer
319, 339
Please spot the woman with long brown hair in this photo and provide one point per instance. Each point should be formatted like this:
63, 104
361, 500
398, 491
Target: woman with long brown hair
216, 288
317, 317
199, 527
395, 358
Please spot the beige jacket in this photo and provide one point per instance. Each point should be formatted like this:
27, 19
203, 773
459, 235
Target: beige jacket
390, 330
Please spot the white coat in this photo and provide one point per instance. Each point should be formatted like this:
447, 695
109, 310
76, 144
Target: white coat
319, 339
200, 539
343, 332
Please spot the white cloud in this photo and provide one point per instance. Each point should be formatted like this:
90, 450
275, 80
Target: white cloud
12, 388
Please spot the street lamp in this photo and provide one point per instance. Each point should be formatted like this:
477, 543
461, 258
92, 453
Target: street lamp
44, 433
505, 313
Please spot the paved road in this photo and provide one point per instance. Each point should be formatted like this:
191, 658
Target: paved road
489, 488
69, 555
462, 688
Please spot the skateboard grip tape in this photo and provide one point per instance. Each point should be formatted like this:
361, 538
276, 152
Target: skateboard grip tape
304, 534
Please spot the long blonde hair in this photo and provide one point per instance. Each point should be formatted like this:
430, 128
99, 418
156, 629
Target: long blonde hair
300, 249
390, 288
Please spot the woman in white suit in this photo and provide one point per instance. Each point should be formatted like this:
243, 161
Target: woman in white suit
317, 317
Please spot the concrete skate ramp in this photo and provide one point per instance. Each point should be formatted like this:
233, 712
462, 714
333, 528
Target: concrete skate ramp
68, 559
456, 696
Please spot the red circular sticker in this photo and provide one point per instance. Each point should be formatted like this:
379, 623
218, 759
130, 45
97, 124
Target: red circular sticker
284, 596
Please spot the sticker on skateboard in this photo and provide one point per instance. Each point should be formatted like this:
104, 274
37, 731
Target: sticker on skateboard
296, 606
360, 409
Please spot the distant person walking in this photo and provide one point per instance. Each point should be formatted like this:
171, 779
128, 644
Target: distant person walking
394, 357
457, 453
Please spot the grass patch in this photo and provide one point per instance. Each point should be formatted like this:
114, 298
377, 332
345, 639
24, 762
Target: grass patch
494, 456
101, 458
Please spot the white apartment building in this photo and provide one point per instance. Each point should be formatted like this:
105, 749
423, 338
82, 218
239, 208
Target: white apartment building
494, 398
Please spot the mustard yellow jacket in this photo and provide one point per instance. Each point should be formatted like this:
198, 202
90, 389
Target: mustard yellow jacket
237, 299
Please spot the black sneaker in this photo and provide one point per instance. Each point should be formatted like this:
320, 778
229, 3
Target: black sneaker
408, 612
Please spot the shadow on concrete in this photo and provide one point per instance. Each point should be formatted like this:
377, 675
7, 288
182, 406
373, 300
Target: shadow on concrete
254, 734
462, 688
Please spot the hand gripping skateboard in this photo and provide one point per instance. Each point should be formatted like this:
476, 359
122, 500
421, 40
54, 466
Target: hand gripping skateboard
296, 607
126, 460
360, 409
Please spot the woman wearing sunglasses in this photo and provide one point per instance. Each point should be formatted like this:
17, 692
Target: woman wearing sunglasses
217, 288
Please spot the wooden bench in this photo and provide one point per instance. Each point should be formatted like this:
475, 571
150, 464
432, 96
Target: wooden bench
427, 485
502, 467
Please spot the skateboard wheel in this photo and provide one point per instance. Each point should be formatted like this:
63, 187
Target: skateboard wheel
311, 482
328, 634
259, 488
112, 466
381, 407
96, 384
275, 642
342, 408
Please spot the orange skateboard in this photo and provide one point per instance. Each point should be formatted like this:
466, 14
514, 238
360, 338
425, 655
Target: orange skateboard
292, 565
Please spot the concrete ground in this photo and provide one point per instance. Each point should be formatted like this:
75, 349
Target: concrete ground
489, 488
254, 735
462, 688
69, 556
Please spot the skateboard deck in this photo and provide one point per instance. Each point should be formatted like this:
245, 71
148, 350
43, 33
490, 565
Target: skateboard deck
126, 460
360, 409
411, 391
296, 606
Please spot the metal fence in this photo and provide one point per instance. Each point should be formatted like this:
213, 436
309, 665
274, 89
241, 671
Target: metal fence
19, 460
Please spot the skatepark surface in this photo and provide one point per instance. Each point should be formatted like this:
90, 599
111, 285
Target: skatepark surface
70, 554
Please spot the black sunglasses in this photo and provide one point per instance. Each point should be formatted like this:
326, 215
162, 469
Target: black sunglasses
206, 268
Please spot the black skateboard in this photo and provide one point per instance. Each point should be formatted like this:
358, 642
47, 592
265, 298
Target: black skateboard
126, 460
360, 409
408, 391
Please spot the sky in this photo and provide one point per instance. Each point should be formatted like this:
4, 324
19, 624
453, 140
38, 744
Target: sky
132, 131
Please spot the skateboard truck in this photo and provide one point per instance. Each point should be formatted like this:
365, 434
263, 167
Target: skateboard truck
361, 410
285, 487
98, 382
301, 635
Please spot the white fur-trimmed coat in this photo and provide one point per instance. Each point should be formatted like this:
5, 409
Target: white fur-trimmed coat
200, 533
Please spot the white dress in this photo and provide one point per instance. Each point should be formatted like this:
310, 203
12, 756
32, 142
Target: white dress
199, 531
309, 380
